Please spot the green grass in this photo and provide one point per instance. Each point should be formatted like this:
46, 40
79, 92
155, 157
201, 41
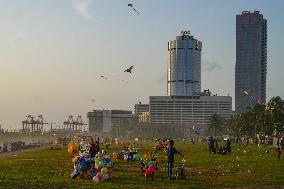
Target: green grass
52, 169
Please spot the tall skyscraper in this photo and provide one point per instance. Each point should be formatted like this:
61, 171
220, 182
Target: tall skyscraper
184, 65
251, 59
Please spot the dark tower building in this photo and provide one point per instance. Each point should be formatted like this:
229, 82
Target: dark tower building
251, 59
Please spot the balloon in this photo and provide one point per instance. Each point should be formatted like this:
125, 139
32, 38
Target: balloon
95, 178
137, 157
105, 176
110, 176
97, 161
97, 166
109, 165
109, 170
70, 150
152, 169
107, 160
77, 145
104, 170
147, 173
125, 157
100, 176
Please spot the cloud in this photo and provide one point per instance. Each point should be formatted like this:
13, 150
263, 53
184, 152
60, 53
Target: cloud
209, 66
82, 7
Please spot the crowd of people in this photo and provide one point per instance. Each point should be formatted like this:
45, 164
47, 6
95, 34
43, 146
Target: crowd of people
90, 160
215, 147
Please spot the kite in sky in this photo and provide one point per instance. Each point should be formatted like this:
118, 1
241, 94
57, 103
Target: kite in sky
252, 97
247, 92
129, 69
132, 6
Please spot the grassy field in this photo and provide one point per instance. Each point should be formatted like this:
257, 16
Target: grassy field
246, 167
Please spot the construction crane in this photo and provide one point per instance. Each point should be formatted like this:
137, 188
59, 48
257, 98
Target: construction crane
30, 124
74, 124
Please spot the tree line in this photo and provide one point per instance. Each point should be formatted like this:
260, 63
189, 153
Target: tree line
259, 119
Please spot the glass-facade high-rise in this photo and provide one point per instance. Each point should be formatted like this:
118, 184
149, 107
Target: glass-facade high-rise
251, 59
184, 65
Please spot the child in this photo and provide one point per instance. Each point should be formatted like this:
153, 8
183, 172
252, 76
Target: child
171, 151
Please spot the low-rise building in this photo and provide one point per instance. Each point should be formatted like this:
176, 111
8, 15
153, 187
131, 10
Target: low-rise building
144, 117
140, 108
116, 122
189, 110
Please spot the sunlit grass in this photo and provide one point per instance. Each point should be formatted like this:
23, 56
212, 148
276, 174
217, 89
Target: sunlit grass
247, 166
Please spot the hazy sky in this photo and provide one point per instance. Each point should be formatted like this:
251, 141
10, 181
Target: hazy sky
52, 52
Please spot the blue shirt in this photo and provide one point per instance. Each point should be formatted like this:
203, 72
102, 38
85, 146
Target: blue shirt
171, 153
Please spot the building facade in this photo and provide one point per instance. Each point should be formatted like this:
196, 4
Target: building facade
251, 59
189, 110
184, 65
116, 122
140, 108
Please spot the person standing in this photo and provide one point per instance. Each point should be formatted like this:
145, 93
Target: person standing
171, 151
211, 145
228, 146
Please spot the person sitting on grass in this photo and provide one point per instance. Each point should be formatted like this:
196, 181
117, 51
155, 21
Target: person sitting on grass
171, 151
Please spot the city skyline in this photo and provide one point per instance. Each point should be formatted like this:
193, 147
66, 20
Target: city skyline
53, 53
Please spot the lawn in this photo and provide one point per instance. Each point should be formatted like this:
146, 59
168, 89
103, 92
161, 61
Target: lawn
246, 167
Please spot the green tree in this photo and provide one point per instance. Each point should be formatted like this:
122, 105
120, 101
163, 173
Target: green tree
258, 118
275, 113
216, 123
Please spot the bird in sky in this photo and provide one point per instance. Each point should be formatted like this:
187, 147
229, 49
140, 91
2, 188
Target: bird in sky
103, 77
129, 69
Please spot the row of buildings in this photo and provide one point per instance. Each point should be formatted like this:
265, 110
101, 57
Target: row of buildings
186, 108
163, 113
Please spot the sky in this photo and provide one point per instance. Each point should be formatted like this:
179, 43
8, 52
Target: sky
52, 52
